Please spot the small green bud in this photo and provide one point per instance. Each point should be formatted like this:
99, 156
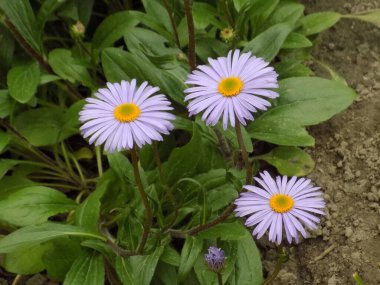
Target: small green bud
78, 30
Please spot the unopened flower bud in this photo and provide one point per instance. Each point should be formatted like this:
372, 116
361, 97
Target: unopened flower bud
227, 34
181, 57
78, 29
215, 258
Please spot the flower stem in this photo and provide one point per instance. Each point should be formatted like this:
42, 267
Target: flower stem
244, 153
280, 261
144, 198
191, 31
220, 280
183, 234
174, 27
99, 160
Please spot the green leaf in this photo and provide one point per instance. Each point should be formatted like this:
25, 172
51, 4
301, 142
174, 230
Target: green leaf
10, 184
33, 205
20, 13
170, 256
85, 10
6, 165
27, 76
157, 12
292, 68
121, 65
318, 22
371, 16
303, 101
86, 270
259, 12
166, 273
183, 161
47, 126
4, 140
296, 40
291, 161
239, 4
113, 28
66, 66
6, 104
310, 100
190, 251
48, 7
88, 213
29, 236
26, 261
122, 166
268, 43
204, 14
148, 41
224, 231
286, 12
60, 256
138, 270
248, 268
284, 132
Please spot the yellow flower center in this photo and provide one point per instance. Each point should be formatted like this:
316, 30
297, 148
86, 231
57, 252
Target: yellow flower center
281, 203
127, 112
230, 86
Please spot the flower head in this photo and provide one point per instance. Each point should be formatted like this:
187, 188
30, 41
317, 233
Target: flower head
124, 114
280, 205
227, 34
215, 258
78, 29
231, 87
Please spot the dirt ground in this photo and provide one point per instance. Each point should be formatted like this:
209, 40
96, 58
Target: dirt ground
348, 162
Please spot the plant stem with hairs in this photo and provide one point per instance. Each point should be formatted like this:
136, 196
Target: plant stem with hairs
220, 280
144, 197
191, 31
244, 153
280, 260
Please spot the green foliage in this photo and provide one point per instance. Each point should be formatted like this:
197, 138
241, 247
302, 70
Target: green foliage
27, 76
303, 101
75, 211
190, 252
372, 16
33, 205
289, 160
66, 66
87, 269
318, 22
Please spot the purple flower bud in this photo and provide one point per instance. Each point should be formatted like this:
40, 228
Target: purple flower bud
215, 258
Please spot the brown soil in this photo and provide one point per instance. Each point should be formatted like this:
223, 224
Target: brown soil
348, 162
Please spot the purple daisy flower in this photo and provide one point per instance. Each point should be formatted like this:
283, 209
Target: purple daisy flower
215, 258
279, 205
231, 87
125, 114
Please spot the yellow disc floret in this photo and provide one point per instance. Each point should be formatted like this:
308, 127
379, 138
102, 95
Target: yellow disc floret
281, 203
127, 112
230, 86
